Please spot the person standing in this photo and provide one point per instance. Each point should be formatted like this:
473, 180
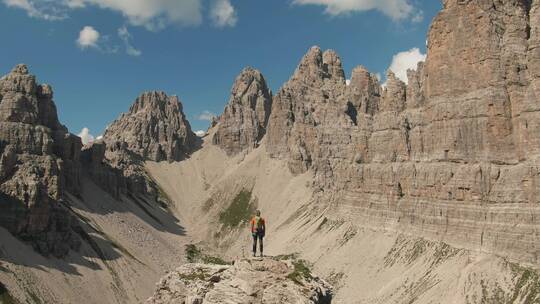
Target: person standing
258, 230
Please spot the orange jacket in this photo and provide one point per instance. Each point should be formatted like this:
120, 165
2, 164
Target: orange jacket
254, 224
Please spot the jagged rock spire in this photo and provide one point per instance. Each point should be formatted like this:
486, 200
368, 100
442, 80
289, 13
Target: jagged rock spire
243, 122
155, 128
317, 67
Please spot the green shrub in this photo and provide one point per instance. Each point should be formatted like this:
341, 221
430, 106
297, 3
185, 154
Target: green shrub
196, 275
239, 211
195, 255
290, 256
300, 273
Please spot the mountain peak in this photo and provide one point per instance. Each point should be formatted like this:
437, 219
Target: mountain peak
317, 66
21, 69
243, 122
155, 128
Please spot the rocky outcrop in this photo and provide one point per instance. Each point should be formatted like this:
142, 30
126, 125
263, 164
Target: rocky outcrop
155, 128
117, 170
39, 162
452, 156
243, 122
264, 281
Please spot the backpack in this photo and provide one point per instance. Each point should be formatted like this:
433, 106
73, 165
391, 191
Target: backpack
259, 227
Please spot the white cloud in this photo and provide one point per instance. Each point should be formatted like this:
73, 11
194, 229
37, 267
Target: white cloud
223, 13
418, 17
404, 61
88, 37
156, 14
126, 37
206, 115
85, 136
74, 3
200, 133
152, 14
347, 81
397, 10
38, 9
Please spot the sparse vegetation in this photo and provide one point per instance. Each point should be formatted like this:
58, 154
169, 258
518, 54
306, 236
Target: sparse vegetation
195, 255
208, 259
527, 288
163, 198
192, 253
290, 256
300, 273
492, 295
197, 275
208, 205
239, 211
336, 278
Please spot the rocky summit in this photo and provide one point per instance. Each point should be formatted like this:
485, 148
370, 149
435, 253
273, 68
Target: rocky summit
264, 281
155, 128
244, 120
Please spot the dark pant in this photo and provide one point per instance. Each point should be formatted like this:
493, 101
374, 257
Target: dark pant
258, 236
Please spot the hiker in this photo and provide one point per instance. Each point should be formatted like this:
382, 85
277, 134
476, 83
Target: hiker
258, 229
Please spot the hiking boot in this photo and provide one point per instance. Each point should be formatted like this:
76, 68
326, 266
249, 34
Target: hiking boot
262, 255
254, 254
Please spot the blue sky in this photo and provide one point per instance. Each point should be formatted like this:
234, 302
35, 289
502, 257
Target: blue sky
99, 55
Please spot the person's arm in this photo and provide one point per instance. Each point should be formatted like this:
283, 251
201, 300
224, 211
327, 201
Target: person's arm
252, 225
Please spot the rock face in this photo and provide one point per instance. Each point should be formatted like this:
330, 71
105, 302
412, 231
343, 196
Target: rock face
39, 162
247, 281
243, 122
155, 128
452, 156
315, 95
115, 169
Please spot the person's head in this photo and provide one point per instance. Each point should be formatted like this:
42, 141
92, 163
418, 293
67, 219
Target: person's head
258, 212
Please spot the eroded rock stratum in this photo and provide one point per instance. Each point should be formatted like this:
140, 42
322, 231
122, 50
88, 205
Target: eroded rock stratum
453, 155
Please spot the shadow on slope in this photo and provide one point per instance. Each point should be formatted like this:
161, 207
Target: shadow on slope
97, 244
97, 201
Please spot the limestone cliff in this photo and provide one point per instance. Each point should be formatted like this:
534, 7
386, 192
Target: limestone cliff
453, 156
39, 162
243, 122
